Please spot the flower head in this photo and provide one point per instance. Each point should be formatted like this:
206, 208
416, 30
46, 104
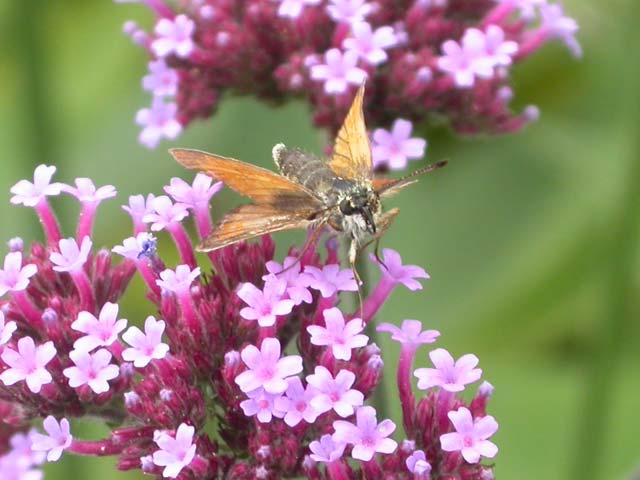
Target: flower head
101, 331
30, 194
159, 122
334, 393
394, 148
330, 279
28, 363
175, 453
93, 369
86, 192
410, 332
145, 346
265, 305
266, 369
367, 436
161, 79
470, 437
449, 375
195, 195
338, 71
14, 277
340, 336
57, 440
326, 449
394, 270
6, 329
174, 36
71, 256
179, 280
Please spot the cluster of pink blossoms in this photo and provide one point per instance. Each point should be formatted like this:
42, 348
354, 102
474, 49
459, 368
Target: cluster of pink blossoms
421, 59
204, 389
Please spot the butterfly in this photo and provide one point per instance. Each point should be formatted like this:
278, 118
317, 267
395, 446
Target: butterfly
340, 192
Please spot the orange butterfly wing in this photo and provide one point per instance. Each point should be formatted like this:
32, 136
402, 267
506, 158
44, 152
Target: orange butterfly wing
351, 158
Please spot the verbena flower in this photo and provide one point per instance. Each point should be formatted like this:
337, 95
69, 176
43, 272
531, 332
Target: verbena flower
207, 392
426, 59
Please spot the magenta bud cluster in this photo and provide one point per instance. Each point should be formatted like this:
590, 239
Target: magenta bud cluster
244, 367
420, 59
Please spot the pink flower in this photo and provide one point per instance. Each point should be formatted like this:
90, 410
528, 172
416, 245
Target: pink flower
175, 453
196, 195
101, 331
29, 194
138, 206
179, 280
133, 248
264, 305
341, 337
174, 36
85, 191
368, 44
14, 277
71, 256
146, 346
367, 436
57, 440
394, 148
164, 213
334, 393
293, 8
330, 279
470, 437
500, 50
449, 375
557, 25
349, 11
6, 329
93, 369
394, 271
261, 404
417, 463
297, 288
266, 369
159, 122
468, 60
28, 363
326, 449
338, 71
297, 403
161, 80
410, 332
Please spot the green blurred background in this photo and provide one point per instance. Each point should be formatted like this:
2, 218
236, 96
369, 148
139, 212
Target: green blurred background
531, 239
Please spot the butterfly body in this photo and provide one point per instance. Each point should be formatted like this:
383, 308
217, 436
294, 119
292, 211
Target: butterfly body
339, 192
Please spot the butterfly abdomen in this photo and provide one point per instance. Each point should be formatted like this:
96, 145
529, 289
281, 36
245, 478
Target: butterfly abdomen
303, 168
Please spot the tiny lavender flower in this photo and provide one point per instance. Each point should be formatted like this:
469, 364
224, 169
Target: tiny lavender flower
266, 368
330, 279
417, 463
71, 257
28, 363
340, 336
349, 11
261, 404
338, 71
293, 8
265, 305
159, 122
367, 436
326, 449
92, 369
297, 403
161, 80
370, 45
14, 277
297, 288
410, 332
174, 36
101, 331
179, 280
334, 393
57, 440
449, 375
394, 148
30, 194
175, 453
6, 329
86, 191
470, 437
145, 346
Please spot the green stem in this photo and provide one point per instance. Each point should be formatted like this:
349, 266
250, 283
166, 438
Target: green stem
620, 247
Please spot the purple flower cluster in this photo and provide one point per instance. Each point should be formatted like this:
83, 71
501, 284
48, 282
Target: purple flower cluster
247, 369
422, 59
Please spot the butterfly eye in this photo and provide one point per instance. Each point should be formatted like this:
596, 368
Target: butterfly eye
347, 207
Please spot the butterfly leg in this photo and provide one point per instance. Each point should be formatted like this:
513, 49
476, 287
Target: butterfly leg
383, 224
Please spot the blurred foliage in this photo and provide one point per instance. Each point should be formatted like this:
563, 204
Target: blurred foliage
531, 239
